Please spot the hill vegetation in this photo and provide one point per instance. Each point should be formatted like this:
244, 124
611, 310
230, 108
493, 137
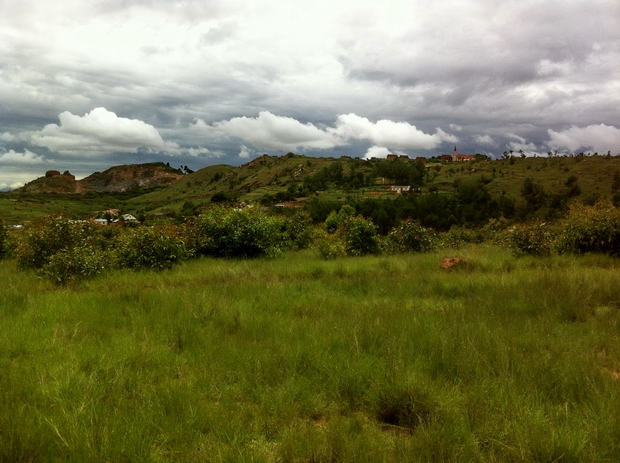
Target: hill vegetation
441, 195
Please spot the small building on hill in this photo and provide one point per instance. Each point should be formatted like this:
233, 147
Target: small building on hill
398, 189
461, 157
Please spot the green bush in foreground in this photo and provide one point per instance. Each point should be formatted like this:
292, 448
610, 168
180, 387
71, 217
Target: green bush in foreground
591, 229
359, 236
237, 233
330, 247
155, 248
410, 236
531, 239
76, 264
49, 236
299, 230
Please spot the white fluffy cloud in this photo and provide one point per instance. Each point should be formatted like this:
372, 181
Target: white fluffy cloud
27, 157
100, 131
269, 131
388, 133
381, 152
600, 138
10, 186
244, 152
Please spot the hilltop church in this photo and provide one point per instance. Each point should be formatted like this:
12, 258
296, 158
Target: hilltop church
461, 157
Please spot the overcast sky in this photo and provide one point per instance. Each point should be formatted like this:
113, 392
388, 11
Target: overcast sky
86, 84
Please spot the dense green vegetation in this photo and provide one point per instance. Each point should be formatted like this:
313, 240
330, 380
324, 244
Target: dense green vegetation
374, 359
443, 194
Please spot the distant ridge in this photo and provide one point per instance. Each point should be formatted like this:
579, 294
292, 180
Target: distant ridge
114, 179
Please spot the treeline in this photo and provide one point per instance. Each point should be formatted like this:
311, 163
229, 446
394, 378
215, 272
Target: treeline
471, 205
411, 173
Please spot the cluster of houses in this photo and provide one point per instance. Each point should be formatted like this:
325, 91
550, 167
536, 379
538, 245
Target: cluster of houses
454, 157
403, 157
112, 218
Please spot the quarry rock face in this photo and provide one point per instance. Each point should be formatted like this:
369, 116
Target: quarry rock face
53, 182
115, 179
123, 178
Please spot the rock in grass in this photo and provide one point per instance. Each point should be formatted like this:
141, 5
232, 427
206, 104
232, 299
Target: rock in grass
448, 263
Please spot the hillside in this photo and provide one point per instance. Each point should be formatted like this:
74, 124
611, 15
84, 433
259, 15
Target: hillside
157, 188
579, 178
266, 175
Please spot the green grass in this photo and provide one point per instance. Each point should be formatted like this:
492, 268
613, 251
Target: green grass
296, 359
594, 173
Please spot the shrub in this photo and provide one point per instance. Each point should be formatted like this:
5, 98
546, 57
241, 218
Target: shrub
299, 230
457, 237
410, 236
335, 219
359, 236
330, 247
591, 229
535, 239
495, 230
237, 233
3, 240
75, 264
49, 236
155, 248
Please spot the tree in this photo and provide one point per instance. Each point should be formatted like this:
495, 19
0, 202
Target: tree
533, 193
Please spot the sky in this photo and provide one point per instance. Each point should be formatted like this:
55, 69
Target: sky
89, 84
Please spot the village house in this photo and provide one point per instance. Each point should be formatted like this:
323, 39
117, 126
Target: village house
399, 189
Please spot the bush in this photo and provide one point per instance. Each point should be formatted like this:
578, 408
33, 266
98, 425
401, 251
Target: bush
75, 264
3, 240
335, 219
457, 237
155, 248
49, 236
236, 233
410, 236
330, 247
536, 239
591, 229
299, 230
359, 236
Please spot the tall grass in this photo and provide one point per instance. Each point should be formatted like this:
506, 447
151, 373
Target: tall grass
363, 359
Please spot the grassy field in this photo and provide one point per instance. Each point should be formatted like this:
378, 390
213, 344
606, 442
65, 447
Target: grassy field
376, 359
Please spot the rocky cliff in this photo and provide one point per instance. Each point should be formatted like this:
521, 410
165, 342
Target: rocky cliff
123, 178
115, 179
